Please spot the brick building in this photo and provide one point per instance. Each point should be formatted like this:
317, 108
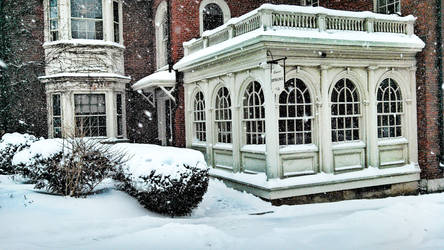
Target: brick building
129, 49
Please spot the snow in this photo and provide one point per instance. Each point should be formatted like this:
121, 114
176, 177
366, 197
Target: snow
226, 219
103, 75
44, 148
260, 180
15, 139
344, 38
157, 78
164, 161
2, 64
76, 42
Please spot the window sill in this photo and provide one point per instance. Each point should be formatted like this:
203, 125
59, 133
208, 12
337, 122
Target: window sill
392, 141
199, 144
348, 145
255, 149
303, 148
223, 146
91, 42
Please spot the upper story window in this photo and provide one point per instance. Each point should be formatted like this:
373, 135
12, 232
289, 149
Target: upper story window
345, 111
86, 19
162, 35
53, 20
313, 3
254, 114
295, 114
388, 6
212, 14
390, 109
116, 22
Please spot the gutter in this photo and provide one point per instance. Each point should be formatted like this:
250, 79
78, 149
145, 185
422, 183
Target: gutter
440, 16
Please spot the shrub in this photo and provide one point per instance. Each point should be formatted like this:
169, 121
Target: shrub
175, 194
71, 167
10, 144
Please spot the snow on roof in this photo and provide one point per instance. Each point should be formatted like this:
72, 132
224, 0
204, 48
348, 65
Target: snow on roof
79, 42
99, 75
159, 78
309, 10
343, 38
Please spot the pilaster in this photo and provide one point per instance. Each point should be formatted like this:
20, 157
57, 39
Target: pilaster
326, 152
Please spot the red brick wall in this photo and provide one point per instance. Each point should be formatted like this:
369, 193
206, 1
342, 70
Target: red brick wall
353, 5
427, 86
138, 36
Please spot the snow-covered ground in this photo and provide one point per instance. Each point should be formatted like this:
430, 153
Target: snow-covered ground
224, 220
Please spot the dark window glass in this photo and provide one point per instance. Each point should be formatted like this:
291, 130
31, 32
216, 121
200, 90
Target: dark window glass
213, 16
90, 115
56, 116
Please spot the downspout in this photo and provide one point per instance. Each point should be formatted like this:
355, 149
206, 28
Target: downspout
169, 58
440, 51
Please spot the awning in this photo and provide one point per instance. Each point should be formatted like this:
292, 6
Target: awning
162, 79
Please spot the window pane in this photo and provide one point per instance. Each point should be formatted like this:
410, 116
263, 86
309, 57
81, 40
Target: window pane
90, 115
213, 16
390, 106
86, 19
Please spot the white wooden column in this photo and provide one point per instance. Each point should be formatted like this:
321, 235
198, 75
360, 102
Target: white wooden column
412, 118
237, 129
209, 123
271, 127
65, 19
372, 129
111, 111
326, 153
68, 113
189, 118
107, 15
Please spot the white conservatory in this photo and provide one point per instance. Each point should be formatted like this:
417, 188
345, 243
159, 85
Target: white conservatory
287, 100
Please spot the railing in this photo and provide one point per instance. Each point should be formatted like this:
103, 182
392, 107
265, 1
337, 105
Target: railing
270, 16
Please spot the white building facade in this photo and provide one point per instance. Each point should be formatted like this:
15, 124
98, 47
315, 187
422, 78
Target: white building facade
287, 101
84, 73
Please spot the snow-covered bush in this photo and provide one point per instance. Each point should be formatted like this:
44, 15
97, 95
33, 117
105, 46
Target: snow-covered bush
165, 180
10, 144
71, 167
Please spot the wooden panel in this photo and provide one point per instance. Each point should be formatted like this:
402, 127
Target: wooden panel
223, 159
392, 155
292, 166
349, 160
255, 163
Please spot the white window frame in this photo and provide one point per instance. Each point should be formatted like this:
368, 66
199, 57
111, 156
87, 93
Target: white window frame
103, 20
199, 117
221, 3
253, 115
161, 37
223, 117
307, 129
394, 118
77, 115
354, 116
378, 7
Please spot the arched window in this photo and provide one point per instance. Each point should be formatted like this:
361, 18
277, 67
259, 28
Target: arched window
390, 109
213, 16
223, 116
162, 35
295, 114
345, 111
254, 114
199, 117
